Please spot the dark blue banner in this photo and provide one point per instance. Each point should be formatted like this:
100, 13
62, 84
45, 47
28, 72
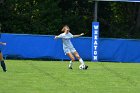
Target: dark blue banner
95, 39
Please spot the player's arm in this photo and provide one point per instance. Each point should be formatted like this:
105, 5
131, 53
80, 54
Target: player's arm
78, 35
59, 36
56, 37
2, 43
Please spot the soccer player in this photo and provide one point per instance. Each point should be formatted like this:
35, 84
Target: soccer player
68, 47
1, 56
1, 59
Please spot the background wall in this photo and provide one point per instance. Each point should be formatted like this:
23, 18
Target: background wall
44, 46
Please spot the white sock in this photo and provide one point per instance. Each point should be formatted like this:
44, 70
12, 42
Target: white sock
81, 61
70, 65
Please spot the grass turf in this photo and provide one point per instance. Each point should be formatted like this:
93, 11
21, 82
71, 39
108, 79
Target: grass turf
27, 76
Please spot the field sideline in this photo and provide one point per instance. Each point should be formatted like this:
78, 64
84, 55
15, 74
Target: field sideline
27, 76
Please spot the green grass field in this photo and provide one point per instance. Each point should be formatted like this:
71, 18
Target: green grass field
27, 76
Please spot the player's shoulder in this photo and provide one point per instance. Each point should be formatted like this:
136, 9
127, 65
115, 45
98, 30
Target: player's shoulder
62, 34
70, 33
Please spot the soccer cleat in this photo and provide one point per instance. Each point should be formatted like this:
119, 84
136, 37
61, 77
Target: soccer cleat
4, 70
70, 67
3, 66
86, 67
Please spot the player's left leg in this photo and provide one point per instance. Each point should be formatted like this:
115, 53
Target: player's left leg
2, 62
80, 59
72, 59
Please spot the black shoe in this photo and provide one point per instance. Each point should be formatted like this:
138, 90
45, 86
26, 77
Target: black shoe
70, 67
4, 70
3, 66
86, 67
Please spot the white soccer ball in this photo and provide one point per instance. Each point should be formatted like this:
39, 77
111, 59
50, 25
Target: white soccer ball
82, 67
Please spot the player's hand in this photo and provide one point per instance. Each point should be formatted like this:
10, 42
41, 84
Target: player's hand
55, 37
3, 43
82, 34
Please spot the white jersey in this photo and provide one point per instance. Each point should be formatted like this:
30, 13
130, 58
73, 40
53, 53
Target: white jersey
67, 45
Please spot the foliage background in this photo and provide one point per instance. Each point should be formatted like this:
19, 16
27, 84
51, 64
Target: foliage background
117, 19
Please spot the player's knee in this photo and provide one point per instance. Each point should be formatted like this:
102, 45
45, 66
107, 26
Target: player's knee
73, 59
78, 57
1, 58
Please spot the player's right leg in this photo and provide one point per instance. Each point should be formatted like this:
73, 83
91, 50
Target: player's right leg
72, 59
2, 62
80, 59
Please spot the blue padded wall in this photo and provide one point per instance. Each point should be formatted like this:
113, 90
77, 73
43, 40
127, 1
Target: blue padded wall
44, 46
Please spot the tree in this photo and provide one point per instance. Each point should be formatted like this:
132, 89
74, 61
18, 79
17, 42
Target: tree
117, 19
78, 15
30, 16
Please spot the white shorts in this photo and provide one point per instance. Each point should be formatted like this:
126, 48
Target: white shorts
69, 50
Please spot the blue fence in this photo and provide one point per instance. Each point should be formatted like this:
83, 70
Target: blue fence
119, 50
43, 46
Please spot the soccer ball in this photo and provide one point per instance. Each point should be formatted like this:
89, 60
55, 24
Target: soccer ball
82, 67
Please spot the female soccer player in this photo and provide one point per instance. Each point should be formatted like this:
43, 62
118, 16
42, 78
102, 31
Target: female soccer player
1, 56
68, 47
1, 59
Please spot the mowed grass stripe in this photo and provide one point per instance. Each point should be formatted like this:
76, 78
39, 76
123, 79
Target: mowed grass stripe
28, 76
